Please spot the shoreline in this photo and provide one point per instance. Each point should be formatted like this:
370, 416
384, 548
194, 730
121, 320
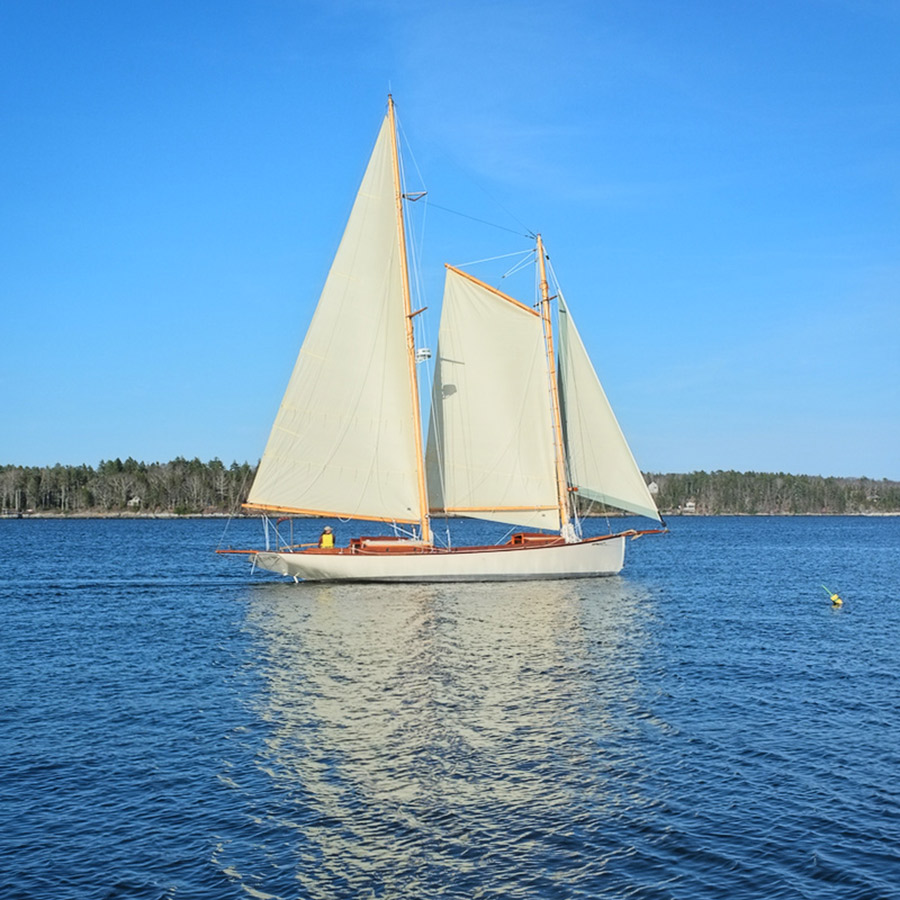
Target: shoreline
223, 515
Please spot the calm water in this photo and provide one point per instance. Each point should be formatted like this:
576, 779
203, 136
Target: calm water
704, 726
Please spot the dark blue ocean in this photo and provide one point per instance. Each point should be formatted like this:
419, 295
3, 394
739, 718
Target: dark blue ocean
705, 725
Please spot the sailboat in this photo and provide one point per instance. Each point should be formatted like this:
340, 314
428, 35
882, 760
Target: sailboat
515, 435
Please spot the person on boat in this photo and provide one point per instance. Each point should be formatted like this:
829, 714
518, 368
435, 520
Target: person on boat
326, 540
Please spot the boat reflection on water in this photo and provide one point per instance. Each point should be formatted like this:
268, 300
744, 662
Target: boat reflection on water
416, 734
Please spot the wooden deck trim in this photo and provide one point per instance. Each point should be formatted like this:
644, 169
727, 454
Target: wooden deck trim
530, 541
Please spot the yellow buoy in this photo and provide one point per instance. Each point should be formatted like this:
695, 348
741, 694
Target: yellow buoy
835, 599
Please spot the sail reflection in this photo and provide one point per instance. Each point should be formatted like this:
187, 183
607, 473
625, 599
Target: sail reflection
424, 730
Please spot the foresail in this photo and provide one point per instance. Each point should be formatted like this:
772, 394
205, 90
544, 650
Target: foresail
600, 463
344, 437
490, 449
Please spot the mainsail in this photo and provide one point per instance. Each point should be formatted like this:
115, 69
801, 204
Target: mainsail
345, 439
490, 451
600, 464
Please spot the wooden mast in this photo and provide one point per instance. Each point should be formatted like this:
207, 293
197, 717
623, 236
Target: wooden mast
424, 523
562, 489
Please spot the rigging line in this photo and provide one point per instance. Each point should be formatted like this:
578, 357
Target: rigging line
557, 289
408, 150
521, 264
482, 221
415, 233
416, 241
468, 175
241, 496
476, 262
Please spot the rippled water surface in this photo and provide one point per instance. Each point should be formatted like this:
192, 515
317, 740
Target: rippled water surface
703, 726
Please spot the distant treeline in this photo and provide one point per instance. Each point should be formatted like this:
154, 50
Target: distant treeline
183, 487
766, 493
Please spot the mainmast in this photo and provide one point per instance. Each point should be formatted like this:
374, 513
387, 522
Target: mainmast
424, 524
562, 489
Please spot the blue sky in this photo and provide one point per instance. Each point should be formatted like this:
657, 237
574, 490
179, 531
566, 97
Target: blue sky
718, 185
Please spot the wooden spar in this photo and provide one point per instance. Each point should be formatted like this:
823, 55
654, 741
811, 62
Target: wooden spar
492, 290
450, 509
562, 491
410, 335
267, 507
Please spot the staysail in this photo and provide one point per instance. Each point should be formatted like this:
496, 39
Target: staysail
600, 464
345, 438
490, 451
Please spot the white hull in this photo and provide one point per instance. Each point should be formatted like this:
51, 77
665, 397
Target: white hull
585, 559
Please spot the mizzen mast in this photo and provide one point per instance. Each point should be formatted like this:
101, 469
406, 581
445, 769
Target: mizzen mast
424, 524
562, 489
